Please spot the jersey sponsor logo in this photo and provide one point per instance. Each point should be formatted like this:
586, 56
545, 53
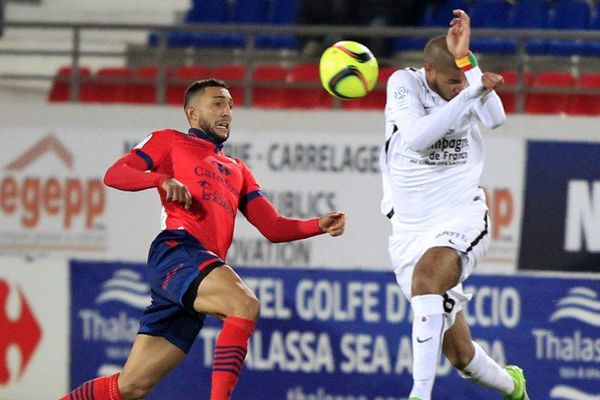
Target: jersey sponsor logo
24, 332
222, 169
424, 340
224, 182
214, 196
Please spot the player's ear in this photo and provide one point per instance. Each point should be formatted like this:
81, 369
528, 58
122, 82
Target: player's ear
191, 114
429, 70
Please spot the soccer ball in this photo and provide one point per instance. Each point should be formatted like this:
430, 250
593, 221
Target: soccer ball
348, 70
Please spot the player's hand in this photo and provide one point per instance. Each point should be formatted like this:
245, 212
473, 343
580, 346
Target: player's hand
459, 34
491, 81
333, 223
177, 192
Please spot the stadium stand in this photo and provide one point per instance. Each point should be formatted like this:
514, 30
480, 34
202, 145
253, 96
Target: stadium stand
306, 97
267, 96
585, 104
549, 102
297, 84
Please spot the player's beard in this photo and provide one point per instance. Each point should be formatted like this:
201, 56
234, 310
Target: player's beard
218, 137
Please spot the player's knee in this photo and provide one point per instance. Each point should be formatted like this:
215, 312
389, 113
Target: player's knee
460, 354
422, 284
458, 361
135, 390
248, 306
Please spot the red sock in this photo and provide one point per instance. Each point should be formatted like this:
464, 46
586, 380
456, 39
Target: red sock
230, 351
104, 388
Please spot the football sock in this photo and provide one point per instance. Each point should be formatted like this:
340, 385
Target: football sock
485, 371
104, 388
427, 332
230, 351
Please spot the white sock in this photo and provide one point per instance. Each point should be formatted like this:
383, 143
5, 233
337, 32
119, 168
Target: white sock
427, 332
484, 370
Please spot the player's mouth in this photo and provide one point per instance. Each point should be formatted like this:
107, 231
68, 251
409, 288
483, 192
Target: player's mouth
222, 127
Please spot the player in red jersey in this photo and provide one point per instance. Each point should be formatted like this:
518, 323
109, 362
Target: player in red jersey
201, 190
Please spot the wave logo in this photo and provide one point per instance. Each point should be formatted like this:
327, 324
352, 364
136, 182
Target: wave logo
125, 286
581, 304
564, 392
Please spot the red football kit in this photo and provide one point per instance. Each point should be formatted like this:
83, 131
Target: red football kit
177, 262
219, 185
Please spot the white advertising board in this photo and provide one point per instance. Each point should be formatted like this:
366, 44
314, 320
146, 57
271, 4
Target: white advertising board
52, 201
34, 337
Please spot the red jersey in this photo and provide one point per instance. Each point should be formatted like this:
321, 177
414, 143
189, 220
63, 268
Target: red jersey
219, 185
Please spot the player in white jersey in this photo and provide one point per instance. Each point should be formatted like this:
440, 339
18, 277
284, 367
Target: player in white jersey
431, 165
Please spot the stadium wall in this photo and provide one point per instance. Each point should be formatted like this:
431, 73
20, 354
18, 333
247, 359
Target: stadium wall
323, 334
331, 314
54, 202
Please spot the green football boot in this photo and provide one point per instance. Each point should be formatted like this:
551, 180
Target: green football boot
414, 398
520, 392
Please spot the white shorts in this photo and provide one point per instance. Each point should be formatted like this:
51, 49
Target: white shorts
466, 230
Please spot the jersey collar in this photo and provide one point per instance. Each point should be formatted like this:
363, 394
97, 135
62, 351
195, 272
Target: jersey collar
201, 135
423, 78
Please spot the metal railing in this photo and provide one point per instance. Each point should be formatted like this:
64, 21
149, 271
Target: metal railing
250, 55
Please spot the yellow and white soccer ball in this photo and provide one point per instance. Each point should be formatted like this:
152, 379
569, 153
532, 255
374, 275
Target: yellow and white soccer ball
348, 70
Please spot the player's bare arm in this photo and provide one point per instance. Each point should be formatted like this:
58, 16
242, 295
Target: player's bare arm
333, 223
177, 192
459, 34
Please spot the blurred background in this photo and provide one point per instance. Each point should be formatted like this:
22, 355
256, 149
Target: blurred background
83, 82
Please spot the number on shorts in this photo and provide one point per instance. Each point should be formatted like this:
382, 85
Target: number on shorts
449, 303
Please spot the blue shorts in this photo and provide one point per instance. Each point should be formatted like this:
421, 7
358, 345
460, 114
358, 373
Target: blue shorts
177, 263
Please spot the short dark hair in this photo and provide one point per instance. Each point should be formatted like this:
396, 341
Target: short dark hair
199, 86
438, 55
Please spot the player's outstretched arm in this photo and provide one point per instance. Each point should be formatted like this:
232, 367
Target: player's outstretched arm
420, 130
261, 213
129, 173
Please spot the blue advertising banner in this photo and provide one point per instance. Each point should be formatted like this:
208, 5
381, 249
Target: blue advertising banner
561, 216
346, 335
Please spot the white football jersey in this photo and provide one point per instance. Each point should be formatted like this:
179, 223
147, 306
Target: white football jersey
433, 157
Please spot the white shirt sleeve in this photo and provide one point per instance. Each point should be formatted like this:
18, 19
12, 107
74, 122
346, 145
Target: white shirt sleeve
387, 201
489, 109
419, 130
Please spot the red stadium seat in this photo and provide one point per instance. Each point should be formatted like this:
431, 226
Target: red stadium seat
585, 104
549, 103
306, 97
509, 98
182, 77
233, 75
61, 86
112, 85
268, 96
144, 89
375, 99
